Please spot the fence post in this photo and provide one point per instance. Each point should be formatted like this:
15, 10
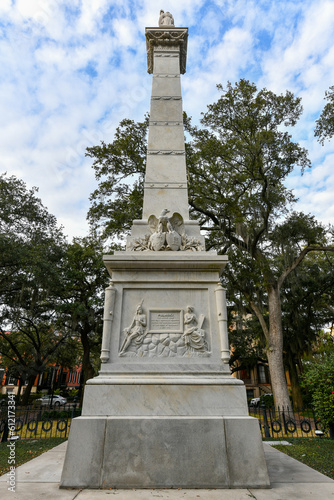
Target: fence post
73, 411
284, 421
331, 431
4, 438
265, 420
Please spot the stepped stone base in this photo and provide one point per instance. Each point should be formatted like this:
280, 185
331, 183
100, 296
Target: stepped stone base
178, 436
165, 452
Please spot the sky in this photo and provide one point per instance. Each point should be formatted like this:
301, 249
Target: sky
71, 70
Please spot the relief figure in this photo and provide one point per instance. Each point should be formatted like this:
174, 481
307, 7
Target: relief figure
136, 331
194, 335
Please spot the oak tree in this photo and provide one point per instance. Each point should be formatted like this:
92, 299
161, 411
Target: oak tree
238, 161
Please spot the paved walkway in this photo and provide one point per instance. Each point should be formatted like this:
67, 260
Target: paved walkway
290, 480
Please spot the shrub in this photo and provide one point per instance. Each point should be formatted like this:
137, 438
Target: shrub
319, 377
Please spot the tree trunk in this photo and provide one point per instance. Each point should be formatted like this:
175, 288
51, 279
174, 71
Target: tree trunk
275, 351
295, 386
87, 368
25, 397
18, 395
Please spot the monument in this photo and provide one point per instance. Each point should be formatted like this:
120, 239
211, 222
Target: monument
164, 410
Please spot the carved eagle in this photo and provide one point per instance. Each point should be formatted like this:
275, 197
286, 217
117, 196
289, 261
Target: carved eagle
166, 224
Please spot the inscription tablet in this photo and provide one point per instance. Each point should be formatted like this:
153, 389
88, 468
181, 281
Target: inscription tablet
165, 321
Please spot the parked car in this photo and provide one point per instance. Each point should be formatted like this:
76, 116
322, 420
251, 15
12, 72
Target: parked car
267, 399
55, 399
254, 402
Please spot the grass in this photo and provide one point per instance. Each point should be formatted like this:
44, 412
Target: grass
25, 450
317, 453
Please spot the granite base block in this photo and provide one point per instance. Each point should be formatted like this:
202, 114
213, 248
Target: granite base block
165, 452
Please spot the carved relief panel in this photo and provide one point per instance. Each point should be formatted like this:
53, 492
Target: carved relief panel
165, 332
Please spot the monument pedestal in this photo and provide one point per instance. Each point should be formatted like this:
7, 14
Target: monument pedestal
165, 452
165, 412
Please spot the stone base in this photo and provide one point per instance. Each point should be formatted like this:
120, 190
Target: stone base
165, 396
165, 452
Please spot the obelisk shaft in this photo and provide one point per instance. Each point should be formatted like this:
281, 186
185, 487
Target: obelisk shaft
166, 180
165, 188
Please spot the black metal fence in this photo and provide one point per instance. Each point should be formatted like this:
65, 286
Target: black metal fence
44, 422
283, 423
36, 422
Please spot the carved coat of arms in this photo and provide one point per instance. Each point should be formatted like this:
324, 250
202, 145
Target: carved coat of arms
166, 231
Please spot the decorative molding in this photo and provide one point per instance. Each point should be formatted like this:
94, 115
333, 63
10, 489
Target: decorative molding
163, 185
166, 152
162, 123
145, 244
161, 75
156, 54
166, 37
166, 98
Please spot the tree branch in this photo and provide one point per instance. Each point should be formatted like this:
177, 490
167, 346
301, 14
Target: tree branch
298, 260
260, 317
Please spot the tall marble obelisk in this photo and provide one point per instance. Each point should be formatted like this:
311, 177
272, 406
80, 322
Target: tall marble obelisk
164, 410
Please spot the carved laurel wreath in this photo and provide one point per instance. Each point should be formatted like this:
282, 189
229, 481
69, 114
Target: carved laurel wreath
187, 244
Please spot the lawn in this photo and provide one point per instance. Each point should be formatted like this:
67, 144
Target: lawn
25, 450
317, 453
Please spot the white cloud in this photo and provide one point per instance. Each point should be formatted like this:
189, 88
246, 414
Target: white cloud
70, 71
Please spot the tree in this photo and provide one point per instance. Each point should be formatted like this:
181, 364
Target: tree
27, 352
31, 281
120, 168
237, 165
246, 340
325, 124
306, 294
82, 309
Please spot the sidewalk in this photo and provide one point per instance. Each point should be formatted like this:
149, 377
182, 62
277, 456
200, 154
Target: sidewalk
290, 480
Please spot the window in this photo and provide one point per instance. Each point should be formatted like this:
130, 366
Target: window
262, 374
11, 381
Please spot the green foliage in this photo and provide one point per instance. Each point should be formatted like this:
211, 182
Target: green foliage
319, 378
83, 298
73, 394
31, 244
238, 164
325, 124
119, 168
267, 400
32, 249
306, 296
58, 414
246, 339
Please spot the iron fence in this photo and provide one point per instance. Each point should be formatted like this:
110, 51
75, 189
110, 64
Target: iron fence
37, 422
44, 421
284, 422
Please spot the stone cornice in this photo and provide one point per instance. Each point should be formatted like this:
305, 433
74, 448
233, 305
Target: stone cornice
166, 37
